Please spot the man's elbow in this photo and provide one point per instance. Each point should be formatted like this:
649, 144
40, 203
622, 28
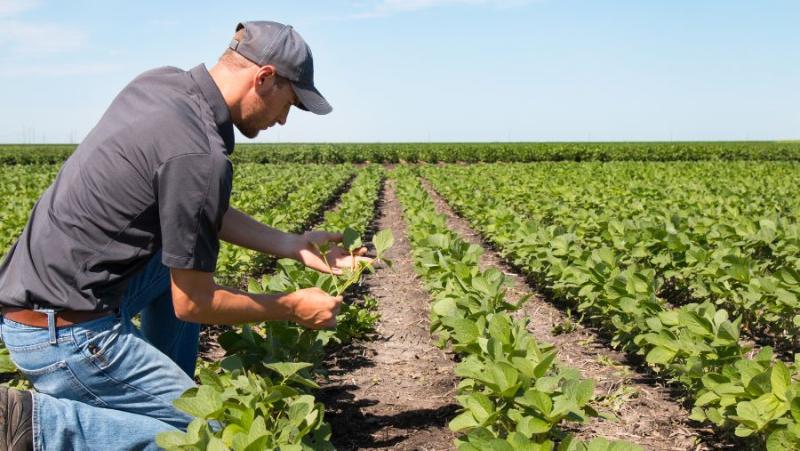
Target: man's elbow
191, 301
188, 309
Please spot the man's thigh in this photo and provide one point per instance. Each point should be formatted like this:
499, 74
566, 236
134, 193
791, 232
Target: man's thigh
103, 362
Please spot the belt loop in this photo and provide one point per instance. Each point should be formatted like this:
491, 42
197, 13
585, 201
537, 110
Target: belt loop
51, 321
51, 326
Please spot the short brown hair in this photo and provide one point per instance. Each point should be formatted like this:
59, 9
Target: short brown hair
232, 58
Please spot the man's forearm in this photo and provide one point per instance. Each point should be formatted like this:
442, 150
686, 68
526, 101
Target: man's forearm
242, 230
231, 306
197, 298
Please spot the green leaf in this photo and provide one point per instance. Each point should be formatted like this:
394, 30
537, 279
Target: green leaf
538, 400
480, 405
464, 330
171, 439
465, 420
287, 369
544, 366
200, 402
660, 356
584, 391
445, 307
781, 440
383, 240
351, 239
533, 425
500, 328
299, 408
215, 444
6, 365
706, 398
780, 380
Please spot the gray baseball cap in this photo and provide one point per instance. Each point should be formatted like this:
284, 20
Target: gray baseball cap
274, 43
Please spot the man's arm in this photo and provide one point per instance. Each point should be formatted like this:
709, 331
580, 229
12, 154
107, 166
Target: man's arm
197, 298
242, 230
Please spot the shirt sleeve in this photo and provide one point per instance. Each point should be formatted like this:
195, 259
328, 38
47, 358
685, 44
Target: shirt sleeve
193, 193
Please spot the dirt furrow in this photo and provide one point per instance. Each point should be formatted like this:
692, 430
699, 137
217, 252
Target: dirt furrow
395, 392
646, 412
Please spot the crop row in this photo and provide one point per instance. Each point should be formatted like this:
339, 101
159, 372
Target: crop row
261, 395
513, 394
20, 187
725, 232
461, 152
696, 344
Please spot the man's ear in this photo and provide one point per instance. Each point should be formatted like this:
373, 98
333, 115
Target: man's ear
264, 74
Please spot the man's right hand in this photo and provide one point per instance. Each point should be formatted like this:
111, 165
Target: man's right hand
314, 308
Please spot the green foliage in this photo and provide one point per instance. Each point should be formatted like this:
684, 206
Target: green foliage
613, 240
236, 409
458, 152
513, 394
20, 188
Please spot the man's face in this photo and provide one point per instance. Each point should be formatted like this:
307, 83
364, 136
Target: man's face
266, 104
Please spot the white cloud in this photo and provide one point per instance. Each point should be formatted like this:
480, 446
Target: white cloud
22, 36
12, 7
389, 7
33, 38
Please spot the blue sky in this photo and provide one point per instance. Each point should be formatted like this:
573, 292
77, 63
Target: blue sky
433, 70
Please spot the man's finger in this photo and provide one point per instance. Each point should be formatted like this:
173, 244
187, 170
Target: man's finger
334, 236
360, 251
338, 305
366, 260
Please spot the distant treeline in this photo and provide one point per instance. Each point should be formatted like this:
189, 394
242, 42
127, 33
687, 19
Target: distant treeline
460, 152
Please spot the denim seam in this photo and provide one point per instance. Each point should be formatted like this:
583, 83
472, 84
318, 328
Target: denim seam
38, 346
48, 369
151, 396
37, 445
81, 385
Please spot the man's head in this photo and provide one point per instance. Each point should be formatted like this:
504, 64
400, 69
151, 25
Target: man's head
266, 69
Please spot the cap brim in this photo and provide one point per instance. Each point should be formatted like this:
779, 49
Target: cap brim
311, 99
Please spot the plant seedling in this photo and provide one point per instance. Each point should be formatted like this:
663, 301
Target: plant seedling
351, 241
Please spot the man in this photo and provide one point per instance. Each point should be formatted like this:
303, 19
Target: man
132, 225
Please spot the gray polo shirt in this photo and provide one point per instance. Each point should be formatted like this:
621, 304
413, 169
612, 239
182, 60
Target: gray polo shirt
153, 174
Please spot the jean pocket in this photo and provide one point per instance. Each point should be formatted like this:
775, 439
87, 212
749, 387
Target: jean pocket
99, 345
21, 338
58, 380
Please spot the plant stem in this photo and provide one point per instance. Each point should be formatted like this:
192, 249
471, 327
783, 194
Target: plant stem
330, 269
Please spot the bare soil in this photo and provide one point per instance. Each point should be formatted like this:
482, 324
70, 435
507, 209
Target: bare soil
647, 412
396, 392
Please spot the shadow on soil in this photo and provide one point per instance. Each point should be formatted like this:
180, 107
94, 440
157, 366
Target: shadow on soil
352, 429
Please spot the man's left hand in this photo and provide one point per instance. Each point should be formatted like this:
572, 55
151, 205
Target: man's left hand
337, 257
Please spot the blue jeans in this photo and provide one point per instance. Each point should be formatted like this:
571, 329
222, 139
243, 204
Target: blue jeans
105, 384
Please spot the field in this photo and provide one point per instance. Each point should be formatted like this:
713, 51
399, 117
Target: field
570, 296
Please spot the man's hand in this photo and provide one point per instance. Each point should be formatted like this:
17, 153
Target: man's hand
338, 258
314, 308
196, 298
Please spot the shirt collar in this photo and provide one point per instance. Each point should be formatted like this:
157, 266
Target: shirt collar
212, 94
